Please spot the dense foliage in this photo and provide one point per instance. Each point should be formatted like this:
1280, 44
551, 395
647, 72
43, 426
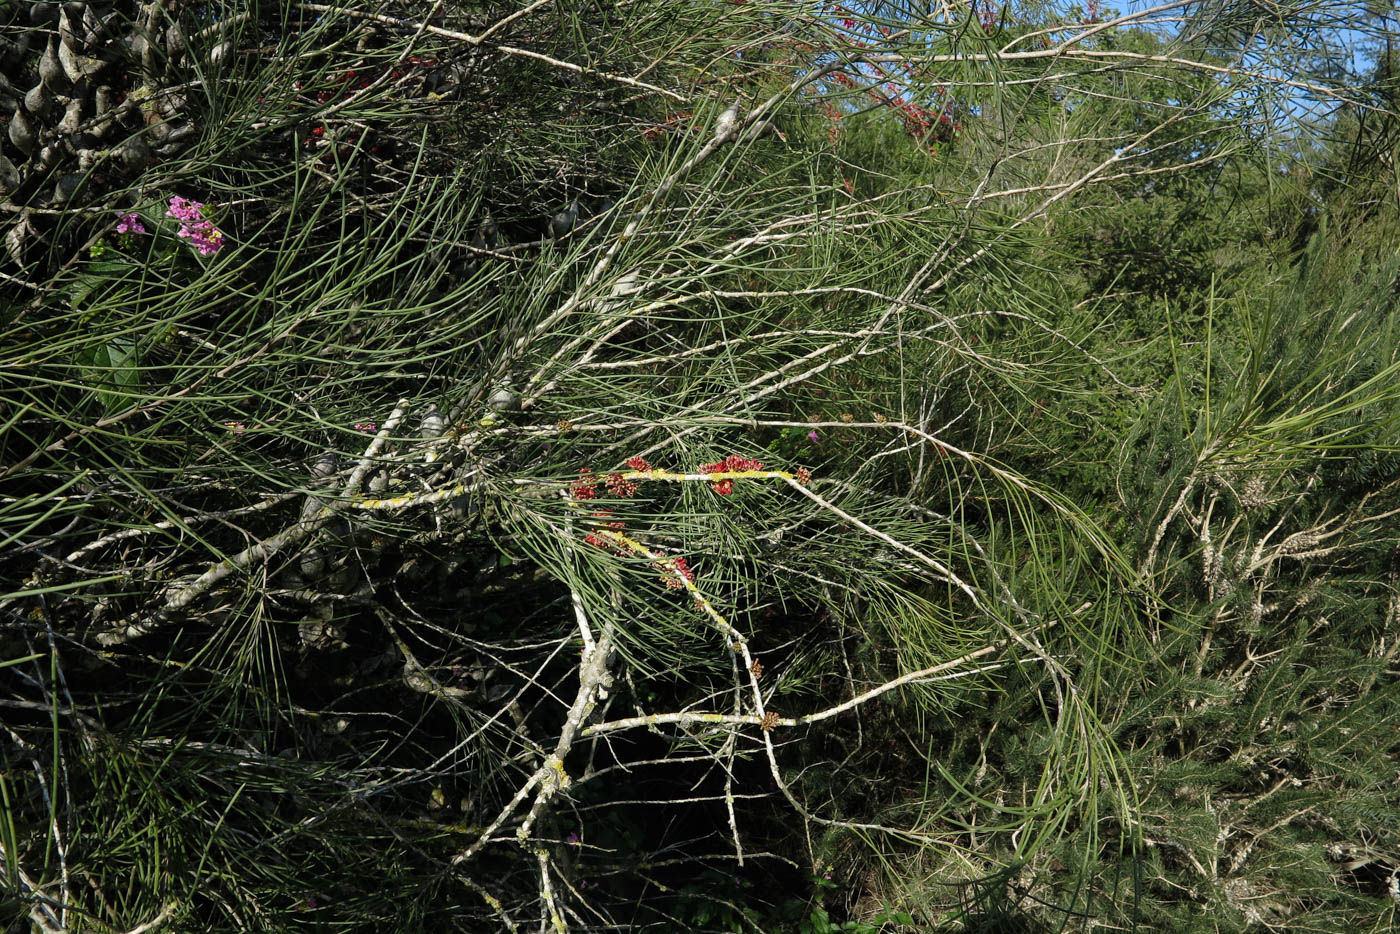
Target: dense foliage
699, 466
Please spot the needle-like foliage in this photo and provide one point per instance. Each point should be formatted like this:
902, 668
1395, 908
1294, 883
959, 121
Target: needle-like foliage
578, 466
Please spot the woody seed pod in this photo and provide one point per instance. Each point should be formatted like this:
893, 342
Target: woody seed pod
312, 563
727, 120
68, 30
72, 118
325, 465
69, 59
134, 154
50, 69
42, 14
220, 53
66, 188
94, 27
175, 44
21, 132
9, 176
38, 101
15, 240
503, 400
433, 424
102, 110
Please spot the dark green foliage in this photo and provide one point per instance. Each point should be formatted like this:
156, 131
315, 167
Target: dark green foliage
337, 597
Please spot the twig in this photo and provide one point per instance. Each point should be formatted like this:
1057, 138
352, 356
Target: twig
690, 718
270, 546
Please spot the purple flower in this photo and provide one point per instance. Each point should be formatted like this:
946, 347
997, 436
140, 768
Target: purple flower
204, 235
206, 238
572, 839
368, 428
129, 223
812, 435
184, 210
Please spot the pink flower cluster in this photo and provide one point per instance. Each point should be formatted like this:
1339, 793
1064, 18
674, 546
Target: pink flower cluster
206, 238
130, 222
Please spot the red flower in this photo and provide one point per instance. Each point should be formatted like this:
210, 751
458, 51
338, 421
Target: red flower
677, 569
617, 486
724, 487
804, 476
616, 525
595, 541
734, 463
586, 487
638, 462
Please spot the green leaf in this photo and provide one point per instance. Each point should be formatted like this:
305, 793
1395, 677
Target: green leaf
114, 368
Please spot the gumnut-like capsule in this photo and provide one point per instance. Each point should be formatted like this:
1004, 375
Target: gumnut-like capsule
102, 110
564, 221
220, 53
312, 563
18, 238
76, 65
175, 41
433, 424
134, 154
504, 400
72, 118
39, 101
70, 27
66, 188
9, 176
325, 465
727, 120
487, 236
21, 132
50, 68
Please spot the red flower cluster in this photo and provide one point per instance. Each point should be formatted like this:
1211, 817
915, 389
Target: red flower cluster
616, 525
586, 487
989, 15
731, 464
804, 476
931, 125
618, 486
679, 567
927, 123
638, 462
672, 122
